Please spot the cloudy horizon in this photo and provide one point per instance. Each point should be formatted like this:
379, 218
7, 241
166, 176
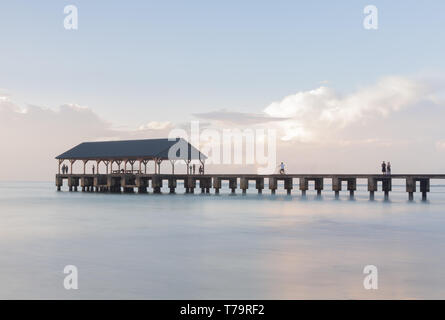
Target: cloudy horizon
397, 119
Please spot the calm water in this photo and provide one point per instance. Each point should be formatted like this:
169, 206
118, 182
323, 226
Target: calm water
211, 247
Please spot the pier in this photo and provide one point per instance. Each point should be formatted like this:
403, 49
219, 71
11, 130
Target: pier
152, 183
126, 171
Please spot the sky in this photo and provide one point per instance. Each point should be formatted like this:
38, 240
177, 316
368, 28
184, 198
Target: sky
348, 97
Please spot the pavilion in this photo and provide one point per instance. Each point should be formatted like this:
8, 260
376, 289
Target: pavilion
132, 151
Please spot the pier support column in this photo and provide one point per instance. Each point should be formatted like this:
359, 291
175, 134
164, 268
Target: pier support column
410, 188
304, 186
336, 186
217, 184
244, 184
259, 184
172, 184
73, 183
205, 184
273, 185
156, 184
126, 184
110, 186
141, 184
85, 183
59, 182
233, 184
387, 187
288, 185
189, 184
318, 186
142, 189
424, 188
352, 186
372, 187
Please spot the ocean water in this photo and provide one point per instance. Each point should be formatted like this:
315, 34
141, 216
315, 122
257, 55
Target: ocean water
217, 247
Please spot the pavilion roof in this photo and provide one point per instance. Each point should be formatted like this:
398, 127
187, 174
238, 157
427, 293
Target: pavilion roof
134, 149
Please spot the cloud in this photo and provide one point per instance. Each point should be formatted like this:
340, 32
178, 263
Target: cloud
233, 117
31, 137
314, 112
156, 125
397, 119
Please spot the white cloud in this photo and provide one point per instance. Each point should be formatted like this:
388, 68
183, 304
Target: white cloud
398, 119
156, 125
233, 117
316, 111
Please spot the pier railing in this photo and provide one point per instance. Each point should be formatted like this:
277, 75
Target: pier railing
130, 181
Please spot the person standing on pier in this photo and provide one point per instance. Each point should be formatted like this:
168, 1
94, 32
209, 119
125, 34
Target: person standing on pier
282, 168
384, 168
388, 168
93, 168
194, 168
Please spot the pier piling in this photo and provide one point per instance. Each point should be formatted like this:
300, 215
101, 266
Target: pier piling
272, 184
304, 185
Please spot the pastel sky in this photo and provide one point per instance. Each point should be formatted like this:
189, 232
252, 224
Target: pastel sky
140, 68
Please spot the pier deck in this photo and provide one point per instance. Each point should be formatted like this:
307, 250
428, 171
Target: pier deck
129, 182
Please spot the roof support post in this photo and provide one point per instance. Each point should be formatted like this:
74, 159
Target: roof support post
106, 162
140, 166
118, 165
203, 164
125, 165
97, 165
60, 162
173, 166
132, 164
145, 165
85, 166
187, 163
159, 165
71, 166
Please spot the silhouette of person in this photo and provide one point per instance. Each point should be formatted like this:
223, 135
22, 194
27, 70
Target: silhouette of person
384, 167
282, 168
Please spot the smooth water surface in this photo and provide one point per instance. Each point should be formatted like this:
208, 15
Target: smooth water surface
216, 247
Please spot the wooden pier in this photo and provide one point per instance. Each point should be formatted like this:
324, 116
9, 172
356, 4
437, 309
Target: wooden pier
141, 183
